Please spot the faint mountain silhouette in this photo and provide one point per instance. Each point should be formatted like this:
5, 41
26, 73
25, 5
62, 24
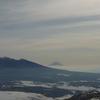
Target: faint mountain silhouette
56, 64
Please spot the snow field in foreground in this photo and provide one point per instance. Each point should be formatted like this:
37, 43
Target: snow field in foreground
5, 95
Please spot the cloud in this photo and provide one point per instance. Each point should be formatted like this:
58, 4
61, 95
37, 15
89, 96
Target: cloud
39, 19
56, 42
33, 10
66, 29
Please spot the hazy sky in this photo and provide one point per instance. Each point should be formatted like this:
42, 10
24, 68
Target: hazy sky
44, 31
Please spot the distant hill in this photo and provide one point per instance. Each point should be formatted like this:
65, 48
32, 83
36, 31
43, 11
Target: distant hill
6, 62
96, 70
56, 64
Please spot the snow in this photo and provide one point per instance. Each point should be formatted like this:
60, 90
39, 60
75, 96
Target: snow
60, 85
63, 75
80, 88
83, 81
34, 84
64, 97
94, 99
5, 95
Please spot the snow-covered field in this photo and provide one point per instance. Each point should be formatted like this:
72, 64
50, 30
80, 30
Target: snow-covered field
12, 95
60, 85
5, 95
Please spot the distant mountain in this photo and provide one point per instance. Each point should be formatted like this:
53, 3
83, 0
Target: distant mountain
56, 64
96, 70
6, 62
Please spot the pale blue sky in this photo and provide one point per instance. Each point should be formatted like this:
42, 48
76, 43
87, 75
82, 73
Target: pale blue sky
44, 31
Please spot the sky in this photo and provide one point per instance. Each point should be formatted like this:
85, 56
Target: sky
45, 31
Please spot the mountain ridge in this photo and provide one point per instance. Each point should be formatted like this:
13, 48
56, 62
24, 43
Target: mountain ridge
13, 63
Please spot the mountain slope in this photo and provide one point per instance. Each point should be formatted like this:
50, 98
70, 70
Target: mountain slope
92, 95
6, 62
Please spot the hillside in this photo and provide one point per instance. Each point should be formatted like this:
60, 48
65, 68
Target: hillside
92, 95
6, 62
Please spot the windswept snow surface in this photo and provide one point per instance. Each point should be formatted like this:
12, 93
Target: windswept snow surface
5, 95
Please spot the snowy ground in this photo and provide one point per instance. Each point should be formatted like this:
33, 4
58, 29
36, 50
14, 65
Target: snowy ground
60, 85
5, 95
